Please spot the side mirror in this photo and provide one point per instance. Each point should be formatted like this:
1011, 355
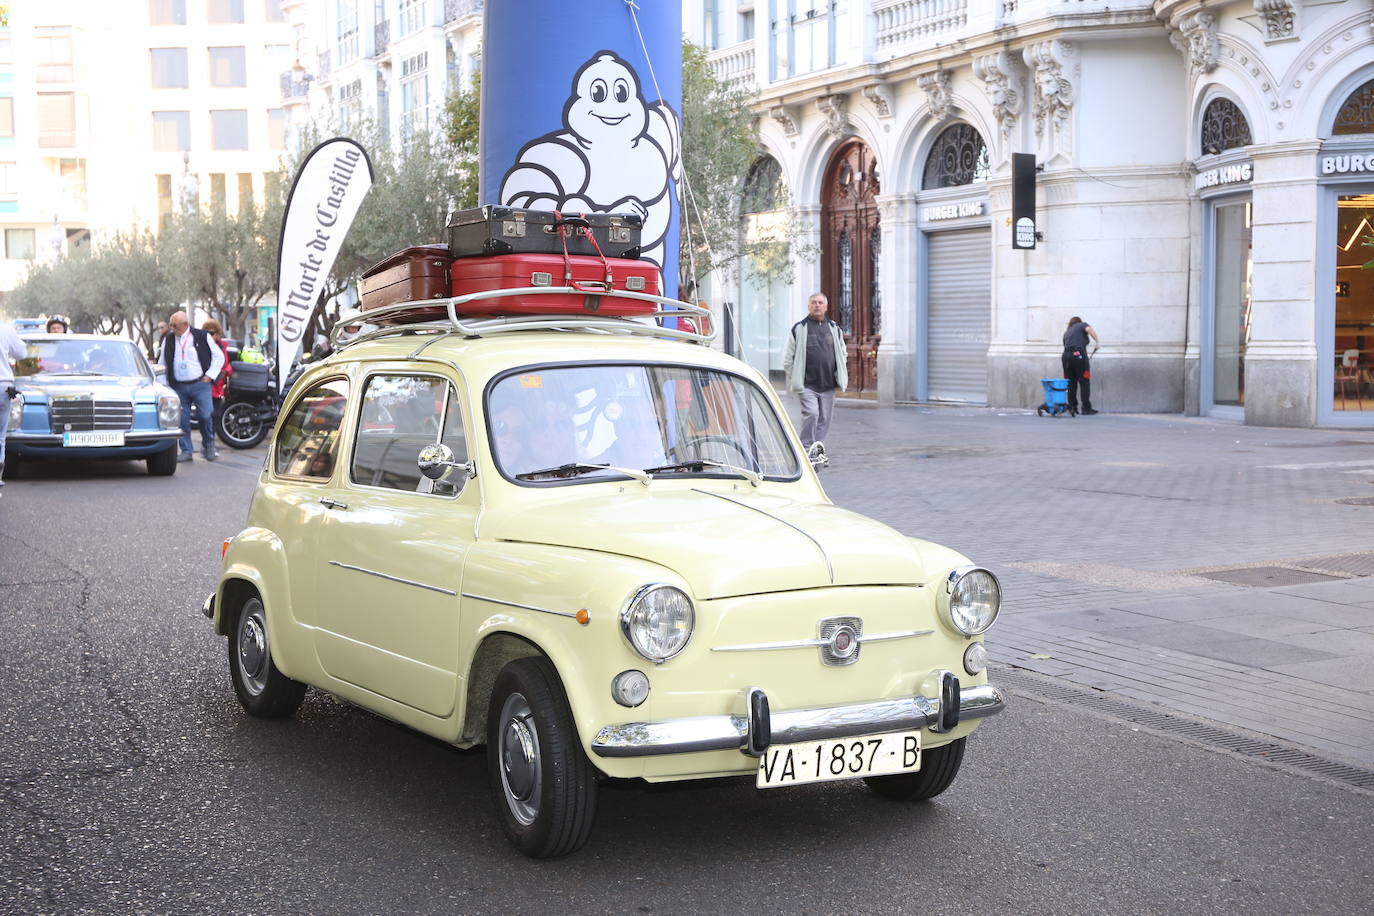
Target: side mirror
436, 462
817, 456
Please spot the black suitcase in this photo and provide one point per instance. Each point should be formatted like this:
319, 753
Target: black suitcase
510, 230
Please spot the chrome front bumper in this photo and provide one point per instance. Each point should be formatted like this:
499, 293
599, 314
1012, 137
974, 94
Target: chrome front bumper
752, 732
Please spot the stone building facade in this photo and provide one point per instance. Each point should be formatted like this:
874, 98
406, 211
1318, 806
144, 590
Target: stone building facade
1205, 173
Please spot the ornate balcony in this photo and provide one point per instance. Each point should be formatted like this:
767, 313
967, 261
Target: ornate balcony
902, 25
461, 9
381, 36
734, 66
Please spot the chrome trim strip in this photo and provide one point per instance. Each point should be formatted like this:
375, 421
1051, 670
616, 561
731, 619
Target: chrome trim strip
829, 568
900, 634
811, 643
381, 575
789, 726
523, 607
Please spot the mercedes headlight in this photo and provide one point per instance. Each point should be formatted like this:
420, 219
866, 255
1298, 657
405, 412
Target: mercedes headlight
16, 411
168, 411
970, 599
658, 621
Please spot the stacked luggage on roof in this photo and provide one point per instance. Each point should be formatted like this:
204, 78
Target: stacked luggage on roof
497, 248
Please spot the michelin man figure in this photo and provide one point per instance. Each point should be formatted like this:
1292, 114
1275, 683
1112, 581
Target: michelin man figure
616, 153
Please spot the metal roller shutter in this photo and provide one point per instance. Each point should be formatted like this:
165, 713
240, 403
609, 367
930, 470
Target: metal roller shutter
959, 315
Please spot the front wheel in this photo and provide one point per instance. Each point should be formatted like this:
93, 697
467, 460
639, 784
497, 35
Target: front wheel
263, 690
939, 766
163, 463
541, 782
240, 426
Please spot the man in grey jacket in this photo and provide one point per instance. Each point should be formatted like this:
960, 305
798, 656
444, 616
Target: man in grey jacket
815, 365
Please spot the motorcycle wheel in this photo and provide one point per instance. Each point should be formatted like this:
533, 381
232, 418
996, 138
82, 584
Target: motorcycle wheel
239, 425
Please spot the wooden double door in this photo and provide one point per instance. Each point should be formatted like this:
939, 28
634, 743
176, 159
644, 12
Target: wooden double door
851, 249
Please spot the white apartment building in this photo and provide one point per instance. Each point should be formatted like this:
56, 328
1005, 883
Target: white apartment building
113, 114
1207, 183
391, 62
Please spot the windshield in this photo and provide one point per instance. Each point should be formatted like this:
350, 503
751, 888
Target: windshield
80, 357
671, 420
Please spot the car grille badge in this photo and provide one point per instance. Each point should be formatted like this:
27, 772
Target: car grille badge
840, 639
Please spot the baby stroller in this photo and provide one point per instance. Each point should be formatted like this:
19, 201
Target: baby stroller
1056, 398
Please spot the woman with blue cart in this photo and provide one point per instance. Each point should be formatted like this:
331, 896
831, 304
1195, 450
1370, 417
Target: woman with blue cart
1061, 394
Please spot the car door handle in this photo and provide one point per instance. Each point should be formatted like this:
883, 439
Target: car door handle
332, 503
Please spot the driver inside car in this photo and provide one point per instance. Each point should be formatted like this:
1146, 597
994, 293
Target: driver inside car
530, 431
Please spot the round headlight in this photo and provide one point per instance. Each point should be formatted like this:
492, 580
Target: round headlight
658, 621
168, 411
973, 600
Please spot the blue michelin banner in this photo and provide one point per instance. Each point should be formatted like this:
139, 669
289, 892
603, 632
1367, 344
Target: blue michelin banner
577, 117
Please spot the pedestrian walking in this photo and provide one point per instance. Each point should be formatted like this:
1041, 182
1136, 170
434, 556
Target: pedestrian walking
11, 347
193, 362
1075, 362
815, 365
211, 326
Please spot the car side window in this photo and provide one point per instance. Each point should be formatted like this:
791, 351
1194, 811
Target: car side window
400, 415
309, 439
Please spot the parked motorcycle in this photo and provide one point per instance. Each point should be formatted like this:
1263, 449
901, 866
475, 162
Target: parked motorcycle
251, 405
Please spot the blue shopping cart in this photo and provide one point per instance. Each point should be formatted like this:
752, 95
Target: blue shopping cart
1056, 398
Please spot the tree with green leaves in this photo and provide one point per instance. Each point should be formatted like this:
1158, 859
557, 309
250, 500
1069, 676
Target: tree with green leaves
720, 147
462, 121
415, 186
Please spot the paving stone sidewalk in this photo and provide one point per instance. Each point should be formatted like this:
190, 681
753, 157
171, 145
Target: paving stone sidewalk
1104, 531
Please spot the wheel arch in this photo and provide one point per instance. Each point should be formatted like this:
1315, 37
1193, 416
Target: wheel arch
496, 650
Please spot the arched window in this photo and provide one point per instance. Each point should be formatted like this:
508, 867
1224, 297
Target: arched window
763, 188
1224, 127
1357, 113
959, 156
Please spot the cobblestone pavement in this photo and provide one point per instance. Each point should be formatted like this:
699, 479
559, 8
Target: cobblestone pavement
1102, 530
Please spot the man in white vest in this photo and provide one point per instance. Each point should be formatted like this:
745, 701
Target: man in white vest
193, 362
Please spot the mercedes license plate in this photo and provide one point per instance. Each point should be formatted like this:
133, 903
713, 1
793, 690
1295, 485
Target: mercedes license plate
845, 758
98, 437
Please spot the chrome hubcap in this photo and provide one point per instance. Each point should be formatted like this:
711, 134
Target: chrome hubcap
519, 759
252, 640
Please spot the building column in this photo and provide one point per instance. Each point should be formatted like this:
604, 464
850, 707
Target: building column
897, 350
1281, 356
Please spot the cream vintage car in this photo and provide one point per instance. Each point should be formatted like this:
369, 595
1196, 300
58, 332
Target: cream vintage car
602, 555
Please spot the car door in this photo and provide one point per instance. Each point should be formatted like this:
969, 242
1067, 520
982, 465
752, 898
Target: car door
393, 543
301, 466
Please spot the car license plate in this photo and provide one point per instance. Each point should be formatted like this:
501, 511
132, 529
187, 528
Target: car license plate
846, 758
98, 437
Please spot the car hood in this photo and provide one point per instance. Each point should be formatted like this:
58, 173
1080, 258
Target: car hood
724, 544
97, 387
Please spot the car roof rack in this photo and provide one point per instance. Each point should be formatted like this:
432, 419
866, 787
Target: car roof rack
452, 325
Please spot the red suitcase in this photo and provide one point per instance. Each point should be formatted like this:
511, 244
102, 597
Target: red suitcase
415, 273
511, 271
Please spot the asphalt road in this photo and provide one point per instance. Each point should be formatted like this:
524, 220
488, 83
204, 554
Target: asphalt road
130, 780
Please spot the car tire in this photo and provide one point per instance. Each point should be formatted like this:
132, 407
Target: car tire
239, 426
939, 766
542, 784
262, 690
164, 463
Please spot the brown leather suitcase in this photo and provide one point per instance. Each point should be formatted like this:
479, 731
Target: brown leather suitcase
415, 273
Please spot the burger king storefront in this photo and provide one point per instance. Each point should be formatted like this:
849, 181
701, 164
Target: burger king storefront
1345, 291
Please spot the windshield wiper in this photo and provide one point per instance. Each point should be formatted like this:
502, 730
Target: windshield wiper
77, 372
700, 464
576, 468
